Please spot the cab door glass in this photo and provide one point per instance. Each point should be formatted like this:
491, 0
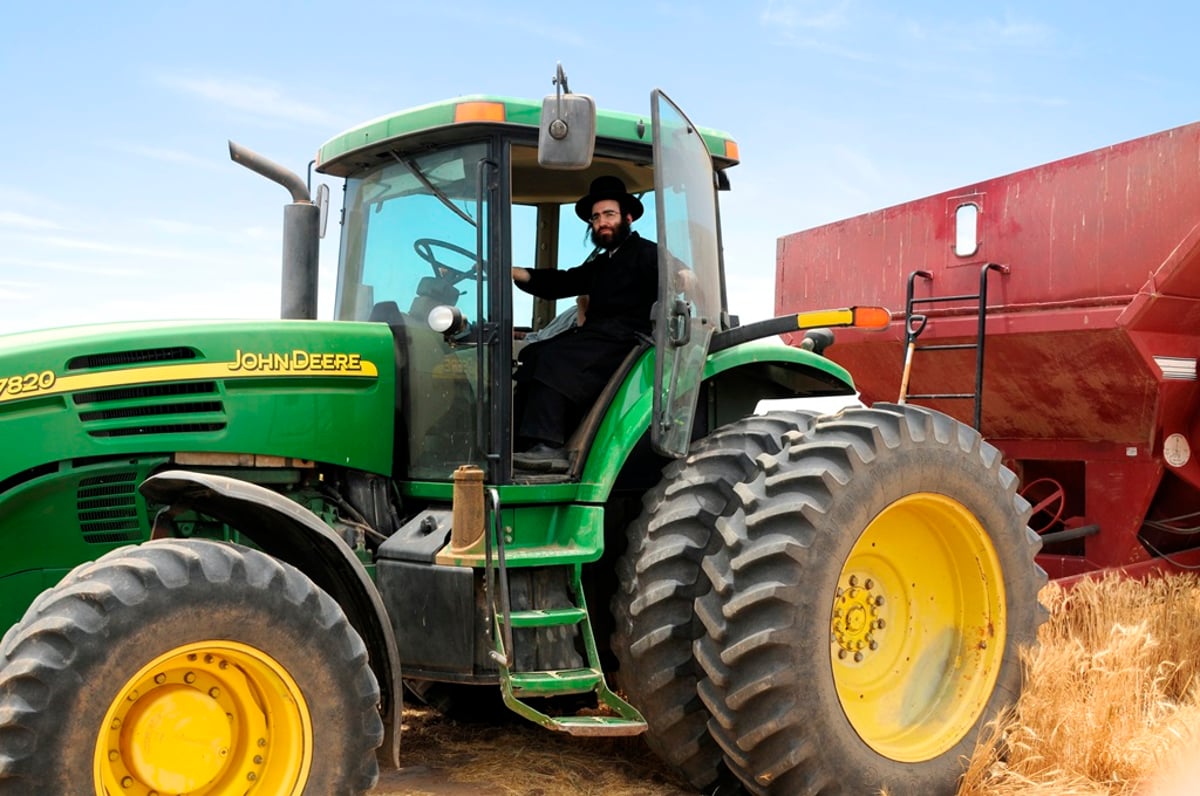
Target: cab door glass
689, 302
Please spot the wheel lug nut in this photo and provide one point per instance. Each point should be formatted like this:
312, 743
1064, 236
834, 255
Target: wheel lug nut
214, 692
874, 644
879, 600
854, 580
160, 678
879, 623
858, 656
189, 678
870, 584
841, 654
127, 782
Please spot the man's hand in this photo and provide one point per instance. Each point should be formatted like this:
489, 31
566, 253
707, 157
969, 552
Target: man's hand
520, 275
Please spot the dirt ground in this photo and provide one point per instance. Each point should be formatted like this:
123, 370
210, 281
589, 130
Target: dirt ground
443, 758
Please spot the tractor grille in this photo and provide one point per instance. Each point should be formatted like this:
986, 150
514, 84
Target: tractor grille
175, 408
107, 508
138, 357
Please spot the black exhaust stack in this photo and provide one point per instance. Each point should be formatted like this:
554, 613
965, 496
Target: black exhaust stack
301, 235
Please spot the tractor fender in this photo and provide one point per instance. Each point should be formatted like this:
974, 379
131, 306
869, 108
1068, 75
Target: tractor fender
286, 530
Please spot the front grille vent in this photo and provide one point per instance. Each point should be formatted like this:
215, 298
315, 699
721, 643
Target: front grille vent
138, 357
151, 409
107, 508
148, 391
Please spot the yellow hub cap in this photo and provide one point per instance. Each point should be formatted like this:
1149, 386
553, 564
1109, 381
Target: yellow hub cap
918, 627
215, 717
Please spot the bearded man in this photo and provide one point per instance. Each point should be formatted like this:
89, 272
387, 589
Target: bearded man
559, 379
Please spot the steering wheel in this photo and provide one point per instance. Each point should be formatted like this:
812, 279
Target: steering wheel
425, 250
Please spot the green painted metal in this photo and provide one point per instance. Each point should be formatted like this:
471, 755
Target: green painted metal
334, 155
514, 685
554, 682
547, 617
313, 390
72, 514
87, 413
629, 415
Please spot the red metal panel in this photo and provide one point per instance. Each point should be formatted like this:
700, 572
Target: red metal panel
1092, 336
1088, 228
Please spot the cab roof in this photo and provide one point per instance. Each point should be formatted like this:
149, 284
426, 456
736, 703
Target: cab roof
346, 153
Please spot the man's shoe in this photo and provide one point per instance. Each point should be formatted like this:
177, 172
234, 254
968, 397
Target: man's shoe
542, 458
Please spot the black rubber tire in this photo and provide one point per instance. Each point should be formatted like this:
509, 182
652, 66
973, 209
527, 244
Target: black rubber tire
660, 578
64, 664
767, 653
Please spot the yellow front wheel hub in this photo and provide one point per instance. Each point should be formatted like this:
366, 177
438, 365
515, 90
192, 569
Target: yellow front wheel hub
213, 717
917, 632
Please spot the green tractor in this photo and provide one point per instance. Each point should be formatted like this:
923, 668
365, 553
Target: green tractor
229, 547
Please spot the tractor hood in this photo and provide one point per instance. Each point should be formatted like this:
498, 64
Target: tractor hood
313, 390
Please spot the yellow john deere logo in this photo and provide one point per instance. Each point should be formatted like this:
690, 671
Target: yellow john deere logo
245, 364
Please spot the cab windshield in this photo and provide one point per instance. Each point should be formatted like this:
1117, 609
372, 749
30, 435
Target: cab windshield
411, 232
411, 242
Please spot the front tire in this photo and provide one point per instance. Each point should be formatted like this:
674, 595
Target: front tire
868, 607
186, 666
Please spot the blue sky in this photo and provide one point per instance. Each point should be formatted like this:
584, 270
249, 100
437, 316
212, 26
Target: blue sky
118, 199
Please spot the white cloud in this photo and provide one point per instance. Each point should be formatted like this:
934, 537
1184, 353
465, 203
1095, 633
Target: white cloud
31, 265
261, 100
806, 14
10, 219
170, 156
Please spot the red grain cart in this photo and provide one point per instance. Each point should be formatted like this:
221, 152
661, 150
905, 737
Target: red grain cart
1058, 308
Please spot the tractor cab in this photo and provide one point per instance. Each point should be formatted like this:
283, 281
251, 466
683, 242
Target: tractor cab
443, 200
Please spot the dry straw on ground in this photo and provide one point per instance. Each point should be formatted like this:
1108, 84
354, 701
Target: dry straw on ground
1111, 699
521, 759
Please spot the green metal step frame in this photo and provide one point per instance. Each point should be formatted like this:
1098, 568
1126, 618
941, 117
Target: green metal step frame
624, 719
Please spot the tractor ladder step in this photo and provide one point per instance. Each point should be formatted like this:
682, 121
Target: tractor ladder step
611, 714
547, 617
555, 682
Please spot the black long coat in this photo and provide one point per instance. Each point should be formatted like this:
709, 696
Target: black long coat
621, 288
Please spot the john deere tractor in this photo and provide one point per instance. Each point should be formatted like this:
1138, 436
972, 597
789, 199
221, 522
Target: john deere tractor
228, 548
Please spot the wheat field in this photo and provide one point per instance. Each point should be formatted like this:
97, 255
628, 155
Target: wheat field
1110, 704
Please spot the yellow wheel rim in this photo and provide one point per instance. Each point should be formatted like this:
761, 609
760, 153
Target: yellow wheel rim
918, 627
214, 717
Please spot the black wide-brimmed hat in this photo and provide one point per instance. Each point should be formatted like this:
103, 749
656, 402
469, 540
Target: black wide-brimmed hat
609, 188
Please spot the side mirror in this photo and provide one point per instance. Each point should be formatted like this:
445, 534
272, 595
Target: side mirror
567, 137
322, 203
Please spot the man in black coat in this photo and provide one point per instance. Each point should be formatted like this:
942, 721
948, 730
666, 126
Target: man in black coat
559, 379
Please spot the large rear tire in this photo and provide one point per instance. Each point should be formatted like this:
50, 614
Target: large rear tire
660, 578
875, 585
186, 667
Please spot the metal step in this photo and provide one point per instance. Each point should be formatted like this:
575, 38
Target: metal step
547, 617
555, 682
599, 725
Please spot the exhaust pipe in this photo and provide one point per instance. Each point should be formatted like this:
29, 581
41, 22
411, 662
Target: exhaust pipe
301, 235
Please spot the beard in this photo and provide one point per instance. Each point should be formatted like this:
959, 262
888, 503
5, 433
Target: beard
619, 234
